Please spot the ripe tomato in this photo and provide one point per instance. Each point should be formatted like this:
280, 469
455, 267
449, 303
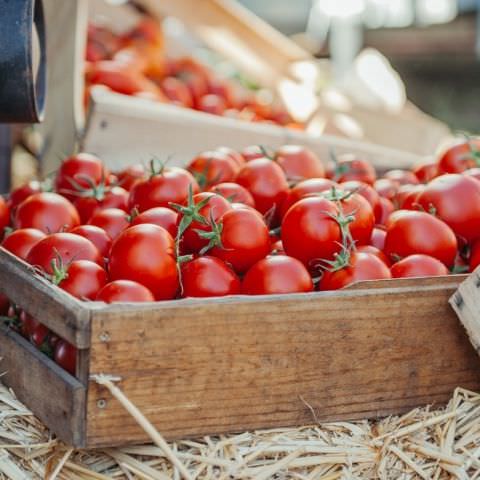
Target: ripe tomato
82, 170
349, 167
177, 92
212, 167
212, 103
236, 156
161, 216
124, 291
243, 240
418, 266
309, 233
267, 183
146, 254
375, 251
378, 238
234, 193
113, 220
253, 152
39, 335
474, 260
304, 189
20, 242
196, 83
406, 197
21, 193
386, 188
63, 248
209, 277
130, 175
95, 200
459, 157
4, 216
426, 172
410, 232
222, 88
367, 192
362, 266
299, 163
98, 236
65, 355
277, 274
401, 177
387, 208
456, 200
82, 279
48, 212
160, 189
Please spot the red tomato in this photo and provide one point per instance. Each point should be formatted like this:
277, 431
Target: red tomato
304, 189
212, 103
177, 92
386, 188
362, 266
406, 197
130, 175
367, 192
267, 183
459, 157
39, 334
244, 239
299, 163
349, 167
410, 232
196, 83
20, 242
309, 233
48, 212
113, 220
63, 248
378, 238
418, 266
209, 277
124, 291
79, 171
98, 236
95, 200
426, 172
4, 304
401, 177
456, 201
21, 193
236, 156
474, 261
387, 208
171, 185
161, 216
252, 152
234, 193
65, 355
82, 279
146, 254
220, 87
213, 167
277, 274
374, 251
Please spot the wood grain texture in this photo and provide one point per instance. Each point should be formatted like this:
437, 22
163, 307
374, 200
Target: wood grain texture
199, 367
57, 398
65, 315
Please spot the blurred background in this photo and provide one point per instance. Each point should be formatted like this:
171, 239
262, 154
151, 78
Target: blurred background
433, 44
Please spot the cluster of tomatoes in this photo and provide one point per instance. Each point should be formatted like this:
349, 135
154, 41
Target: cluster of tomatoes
252, 222
135, 64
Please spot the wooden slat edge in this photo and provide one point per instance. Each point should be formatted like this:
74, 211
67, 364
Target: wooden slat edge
54, 396
59, 311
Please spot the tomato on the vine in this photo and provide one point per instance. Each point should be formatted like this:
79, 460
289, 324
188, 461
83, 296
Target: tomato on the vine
20, 242
91, 201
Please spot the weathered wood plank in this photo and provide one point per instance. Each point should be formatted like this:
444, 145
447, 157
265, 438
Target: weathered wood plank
65, 315
199, 367
57, 398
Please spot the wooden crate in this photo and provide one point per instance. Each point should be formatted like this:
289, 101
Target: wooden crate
211, 366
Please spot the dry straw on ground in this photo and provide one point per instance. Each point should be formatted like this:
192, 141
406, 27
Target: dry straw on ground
424, 443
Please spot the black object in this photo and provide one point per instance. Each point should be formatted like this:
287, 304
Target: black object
22, 61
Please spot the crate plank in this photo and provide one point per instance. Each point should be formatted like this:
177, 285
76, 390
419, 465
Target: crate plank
202, 367
59, 311
57, 398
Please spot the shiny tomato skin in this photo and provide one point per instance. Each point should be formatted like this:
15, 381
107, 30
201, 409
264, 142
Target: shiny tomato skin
209, 277
306, 188
418, 266
48, 212
349, 167
66, 246
170, 186
124, 291
367, 192
309, 233
277, 274
386, 188
459, 158
456, 200
146, 254
386, 209
252, 152
401, 177
84, 279
245, 239
410, 232
39, 334
19, 194
426, 172
161, 216
236, 156
212, 167
406, 197
362, 266
87, 206
177, 92
378, 238
80, 169
98, 236
130, 175
113, 220
234, 193
375, 251
299, 163
20, 242
267, 183
65, 355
